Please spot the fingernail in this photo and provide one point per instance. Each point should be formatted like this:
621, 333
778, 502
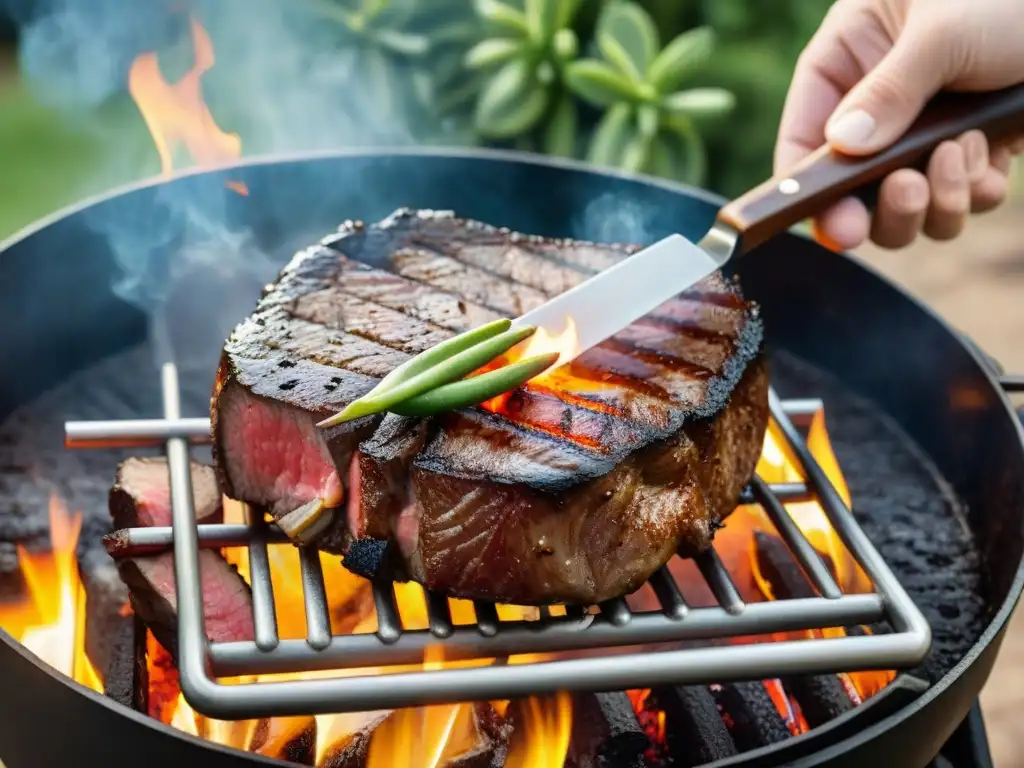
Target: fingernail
952, 167
852, 130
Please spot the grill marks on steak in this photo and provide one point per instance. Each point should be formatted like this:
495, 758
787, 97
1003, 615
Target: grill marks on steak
141, 497
574, 489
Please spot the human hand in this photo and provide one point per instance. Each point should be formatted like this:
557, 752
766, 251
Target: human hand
863, 79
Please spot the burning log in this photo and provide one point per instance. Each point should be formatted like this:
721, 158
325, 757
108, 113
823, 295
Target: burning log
141, 496
821, 697
695, 733
292, 739
350, 739
605, 731
750, 715
478, 738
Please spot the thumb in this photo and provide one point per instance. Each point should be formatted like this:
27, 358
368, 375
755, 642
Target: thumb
883, 105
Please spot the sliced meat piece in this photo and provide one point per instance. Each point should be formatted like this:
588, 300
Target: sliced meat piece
142, 493
141, 498
575, 487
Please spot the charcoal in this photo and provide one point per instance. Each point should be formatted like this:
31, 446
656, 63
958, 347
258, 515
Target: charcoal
605, 731
106, 596
368, 557
821, 697
126, 674
694, 728
750, 715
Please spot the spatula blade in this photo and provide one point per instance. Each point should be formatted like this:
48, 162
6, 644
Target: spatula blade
611, 300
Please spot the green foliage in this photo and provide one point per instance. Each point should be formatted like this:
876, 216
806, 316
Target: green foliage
522, 61
688, 90
650, 125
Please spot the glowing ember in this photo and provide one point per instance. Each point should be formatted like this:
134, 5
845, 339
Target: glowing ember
176, 113
50, 621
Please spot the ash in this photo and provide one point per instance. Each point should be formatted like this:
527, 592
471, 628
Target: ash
897, 493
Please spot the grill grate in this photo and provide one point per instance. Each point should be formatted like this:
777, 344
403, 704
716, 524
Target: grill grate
200, 663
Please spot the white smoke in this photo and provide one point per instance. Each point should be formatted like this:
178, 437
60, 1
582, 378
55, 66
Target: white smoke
285, 79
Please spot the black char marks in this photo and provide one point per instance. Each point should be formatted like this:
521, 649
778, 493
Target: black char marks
576, 488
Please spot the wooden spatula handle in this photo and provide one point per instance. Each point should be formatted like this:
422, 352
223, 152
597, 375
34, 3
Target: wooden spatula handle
827, 176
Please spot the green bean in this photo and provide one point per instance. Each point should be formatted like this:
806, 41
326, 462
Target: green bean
439, 353
476, 389
453, 368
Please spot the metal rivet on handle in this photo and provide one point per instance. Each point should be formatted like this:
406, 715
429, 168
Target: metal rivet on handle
789, 186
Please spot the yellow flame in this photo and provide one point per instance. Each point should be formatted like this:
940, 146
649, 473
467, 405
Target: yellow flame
50, 621
776, 465
176, 113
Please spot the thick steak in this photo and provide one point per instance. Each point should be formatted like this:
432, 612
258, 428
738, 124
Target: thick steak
574, 488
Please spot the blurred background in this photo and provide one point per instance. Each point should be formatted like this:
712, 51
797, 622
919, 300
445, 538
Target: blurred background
295, 75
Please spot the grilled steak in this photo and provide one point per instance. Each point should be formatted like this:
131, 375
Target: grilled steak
141, 497
575, 488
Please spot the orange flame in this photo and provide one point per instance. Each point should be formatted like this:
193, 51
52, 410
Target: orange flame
50, 621
566, 344
776, 465
177, 114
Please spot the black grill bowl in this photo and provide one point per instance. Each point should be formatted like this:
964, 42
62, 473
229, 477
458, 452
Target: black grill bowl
59, 314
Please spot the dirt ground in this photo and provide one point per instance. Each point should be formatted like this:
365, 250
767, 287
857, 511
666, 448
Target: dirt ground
977, 283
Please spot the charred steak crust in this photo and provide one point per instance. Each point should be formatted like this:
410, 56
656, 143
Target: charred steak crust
588, 481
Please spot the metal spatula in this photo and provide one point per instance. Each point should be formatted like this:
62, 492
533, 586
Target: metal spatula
610, 301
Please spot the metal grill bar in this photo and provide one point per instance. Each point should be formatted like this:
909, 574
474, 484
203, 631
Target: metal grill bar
314, 594
722, 587
790, 532
132, 433
556, 635
264, 615
668, 593
132, 542
489, 638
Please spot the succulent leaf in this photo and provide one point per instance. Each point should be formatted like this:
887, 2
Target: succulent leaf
700, 102
613, 133
680, 58
542, 19
488, 53
511, 102
627, 37
502, 15
599, 84
560, 132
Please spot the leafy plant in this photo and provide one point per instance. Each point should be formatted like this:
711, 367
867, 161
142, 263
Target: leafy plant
523, 60
410, 52
650, 125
